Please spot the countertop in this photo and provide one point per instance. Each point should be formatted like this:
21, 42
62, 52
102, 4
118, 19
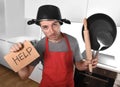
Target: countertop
115, 69
114, 51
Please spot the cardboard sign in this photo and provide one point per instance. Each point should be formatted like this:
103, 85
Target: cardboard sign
20, 59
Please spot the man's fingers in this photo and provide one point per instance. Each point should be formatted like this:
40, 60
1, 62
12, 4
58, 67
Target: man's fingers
16, 47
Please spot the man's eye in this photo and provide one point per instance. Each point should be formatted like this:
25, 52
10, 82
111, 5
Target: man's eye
44, 27
55, 24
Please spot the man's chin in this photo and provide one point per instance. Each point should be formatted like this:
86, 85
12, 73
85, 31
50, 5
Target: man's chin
52, 38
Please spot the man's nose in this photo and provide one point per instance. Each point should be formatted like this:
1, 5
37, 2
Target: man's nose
51, 30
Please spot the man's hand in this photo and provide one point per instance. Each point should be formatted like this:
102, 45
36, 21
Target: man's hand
84, 64
16, 47
94, 61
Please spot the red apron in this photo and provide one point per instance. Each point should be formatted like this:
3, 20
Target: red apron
58, 68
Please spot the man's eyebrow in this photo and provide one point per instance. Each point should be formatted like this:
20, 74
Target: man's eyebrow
56, 21
44, 26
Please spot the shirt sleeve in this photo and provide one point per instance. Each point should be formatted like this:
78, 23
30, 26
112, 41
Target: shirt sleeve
36, 43
77, 54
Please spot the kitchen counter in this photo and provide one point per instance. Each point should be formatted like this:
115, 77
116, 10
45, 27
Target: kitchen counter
113, 51
115, 69
108, 62
113, 63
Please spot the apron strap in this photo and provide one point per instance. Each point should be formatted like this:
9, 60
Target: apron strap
46, 45
68, 44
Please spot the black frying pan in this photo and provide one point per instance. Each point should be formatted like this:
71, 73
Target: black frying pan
102, 26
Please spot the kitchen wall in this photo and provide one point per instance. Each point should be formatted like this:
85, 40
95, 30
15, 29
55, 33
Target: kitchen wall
72, 10
14, 18
33, 30
84, 9
2, 17
16, 25
75, 30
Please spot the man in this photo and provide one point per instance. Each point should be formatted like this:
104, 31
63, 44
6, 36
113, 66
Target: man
59, 51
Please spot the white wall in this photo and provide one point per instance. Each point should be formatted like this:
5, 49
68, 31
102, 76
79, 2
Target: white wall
14, 18
70, 9
78, 9
16, 26
2, 17
75, 29
15, 22
32, 30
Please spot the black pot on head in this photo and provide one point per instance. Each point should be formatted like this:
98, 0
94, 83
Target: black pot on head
48, 12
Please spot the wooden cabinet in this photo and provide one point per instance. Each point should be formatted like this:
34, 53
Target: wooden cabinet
99, 78
91, 81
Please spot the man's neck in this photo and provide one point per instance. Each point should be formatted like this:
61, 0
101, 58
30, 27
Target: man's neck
57, 40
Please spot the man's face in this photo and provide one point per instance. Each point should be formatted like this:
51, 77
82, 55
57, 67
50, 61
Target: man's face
51, 28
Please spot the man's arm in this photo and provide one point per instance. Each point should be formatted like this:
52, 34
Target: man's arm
26, 71
83, 64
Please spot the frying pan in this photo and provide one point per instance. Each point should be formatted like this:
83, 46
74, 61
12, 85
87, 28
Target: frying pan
102, 26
